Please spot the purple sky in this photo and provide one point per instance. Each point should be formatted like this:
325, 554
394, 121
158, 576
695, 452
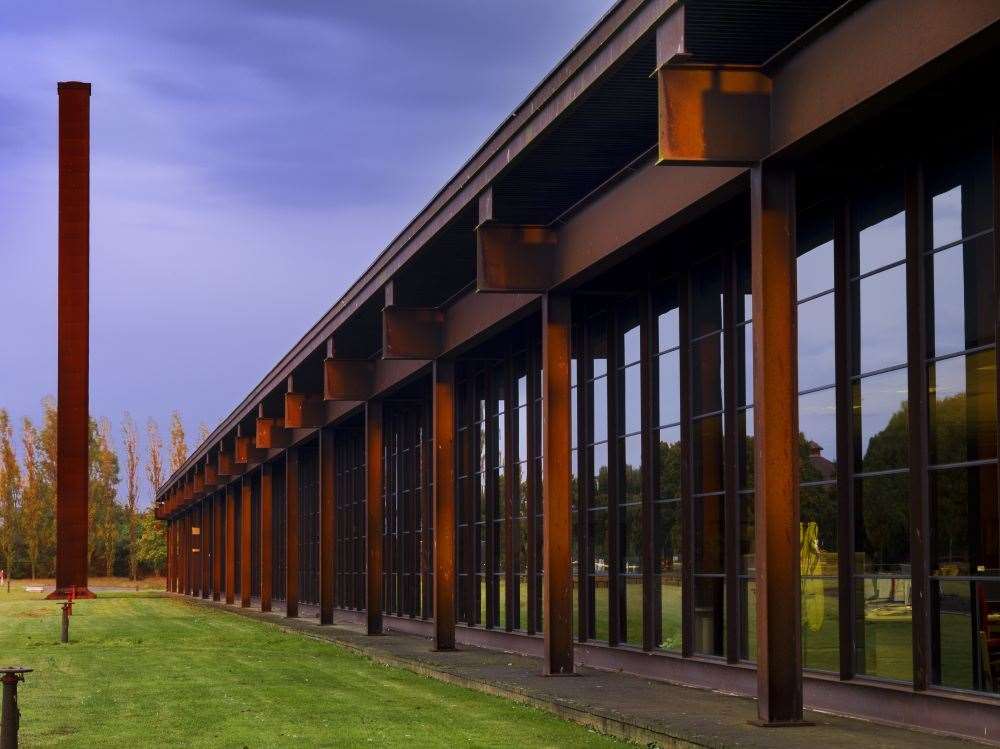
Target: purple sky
249, 160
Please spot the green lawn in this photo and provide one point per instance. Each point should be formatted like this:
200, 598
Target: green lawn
144, 671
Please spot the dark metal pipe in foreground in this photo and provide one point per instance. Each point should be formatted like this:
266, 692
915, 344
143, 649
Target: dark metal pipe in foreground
10, 718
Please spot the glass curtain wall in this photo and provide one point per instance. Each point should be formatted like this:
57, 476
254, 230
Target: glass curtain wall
898, 420
349, 496
309, 523
407, 539
279, 517
255, 535
499, 513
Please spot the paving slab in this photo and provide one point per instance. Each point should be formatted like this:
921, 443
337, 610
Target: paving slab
641, 711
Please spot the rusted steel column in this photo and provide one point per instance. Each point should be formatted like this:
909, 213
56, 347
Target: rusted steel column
246, 517
444, 504
557, 584
776, 501
373, 504
187, 554
327, 526
74, 332
218, 507
230, 501
292, 532
266, 535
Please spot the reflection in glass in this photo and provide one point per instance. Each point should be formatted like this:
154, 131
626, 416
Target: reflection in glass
884, 634
880, 227
709, 617
818, 435
960, 187
882, 515
708, 453
707, 365
964, 513
816, 343
961, 294
820, 624
881, 421
744, 356
599, 409
745, 446
814, 265
670, 463
599, 462
818, 514
632, 396
667, 317
957, 637
706, 297
882, 319
709, 533
669, 388
962, 408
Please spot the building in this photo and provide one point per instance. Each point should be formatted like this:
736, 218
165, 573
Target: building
574, 408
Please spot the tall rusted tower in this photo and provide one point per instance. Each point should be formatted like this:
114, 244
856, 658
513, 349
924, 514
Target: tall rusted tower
74, 334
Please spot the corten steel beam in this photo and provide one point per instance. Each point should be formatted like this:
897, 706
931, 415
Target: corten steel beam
412, 332
245, 542
347, 379
304, 410
515, 258
327, 525
443, 425
647, 205
218, 508
247, 453
292, 533
210, 474
271, 432
266, 535
226, 466
557, 585
776, 497
713, 114
899, 41
230, 543
74, 332
373, 505
612, 39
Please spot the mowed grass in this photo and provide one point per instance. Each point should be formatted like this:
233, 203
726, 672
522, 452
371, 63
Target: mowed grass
145, 670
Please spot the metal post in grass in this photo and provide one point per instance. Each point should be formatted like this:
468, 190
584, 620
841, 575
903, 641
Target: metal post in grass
10, 717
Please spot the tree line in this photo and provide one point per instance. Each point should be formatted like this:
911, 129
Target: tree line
122, 539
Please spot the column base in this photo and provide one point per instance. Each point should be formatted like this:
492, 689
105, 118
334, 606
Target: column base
61, 593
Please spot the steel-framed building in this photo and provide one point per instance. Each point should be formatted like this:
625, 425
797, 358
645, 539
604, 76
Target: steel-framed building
691, 371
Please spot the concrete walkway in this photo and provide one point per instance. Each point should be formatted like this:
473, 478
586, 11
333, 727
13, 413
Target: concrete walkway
630, 708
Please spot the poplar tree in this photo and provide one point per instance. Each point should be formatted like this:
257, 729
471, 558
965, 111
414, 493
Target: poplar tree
131, 440
108, 479
46, 452
10, 493
154, 463
32, 498
178, 447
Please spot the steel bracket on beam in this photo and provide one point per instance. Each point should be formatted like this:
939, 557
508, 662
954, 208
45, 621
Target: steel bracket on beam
515, 258
247, 452
718, 115
304, 410
348, 379
271, 433
226, 464
412, 332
